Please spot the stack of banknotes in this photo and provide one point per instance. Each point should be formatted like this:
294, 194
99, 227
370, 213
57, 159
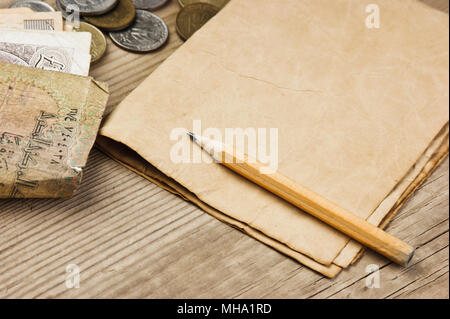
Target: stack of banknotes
42, 40
50, 109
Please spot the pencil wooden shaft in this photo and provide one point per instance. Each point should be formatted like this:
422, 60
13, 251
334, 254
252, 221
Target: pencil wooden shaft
314, 204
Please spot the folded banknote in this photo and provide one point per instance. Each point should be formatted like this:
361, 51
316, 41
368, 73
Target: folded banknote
48, 124
66, 52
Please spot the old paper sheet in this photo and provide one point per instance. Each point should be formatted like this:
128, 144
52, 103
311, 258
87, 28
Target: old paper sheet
361, 112
48, 124
425, 166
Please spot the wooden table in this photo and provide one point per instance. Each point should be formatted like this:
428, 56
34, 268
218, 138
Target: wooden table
131, 239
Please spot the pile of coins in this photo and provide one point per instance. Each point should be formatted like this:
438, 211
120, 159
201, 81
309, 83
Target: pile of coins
128, 22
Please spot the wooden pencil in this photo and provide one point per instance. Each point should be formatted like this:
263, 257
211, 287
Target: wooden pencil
316, 205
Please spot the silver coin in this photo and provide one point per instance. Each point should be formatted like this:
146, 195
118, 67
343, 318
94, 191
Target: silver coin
58, 6
66, 12
34, 5
148, 33
149, 4
89, 7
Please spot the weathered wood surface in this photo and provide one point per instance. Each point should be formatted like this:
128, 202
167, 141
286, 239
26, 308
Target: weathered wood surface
132, 239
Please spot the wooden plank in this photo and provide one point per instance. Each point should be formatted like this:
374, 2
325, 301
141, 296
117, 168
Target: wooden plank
133, 239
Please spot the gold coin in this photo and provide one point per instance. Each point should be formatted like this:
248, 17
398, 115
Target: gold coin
193, 17
119, 18
218, 3
98, 43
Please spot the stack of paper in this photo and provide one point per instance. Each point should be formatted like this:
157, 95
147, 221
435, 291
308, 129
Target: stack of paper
361, 108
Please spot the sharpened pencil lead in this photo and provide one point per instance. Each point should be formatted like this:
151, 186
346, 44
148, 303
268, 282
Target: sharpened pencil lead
191, 135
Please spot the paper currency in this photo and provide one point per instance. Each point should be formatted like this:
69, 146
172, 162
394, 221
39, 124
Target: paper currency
48, 124
66, 52
49, 21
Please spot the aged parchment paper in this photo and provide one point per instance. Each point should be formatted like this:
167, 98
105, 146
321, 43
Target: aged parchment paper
362, 113
48, 124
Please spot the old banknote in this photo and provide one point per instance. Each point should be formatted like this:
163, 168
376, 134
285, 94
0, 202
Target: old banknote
48, 124
66, 52
48, 21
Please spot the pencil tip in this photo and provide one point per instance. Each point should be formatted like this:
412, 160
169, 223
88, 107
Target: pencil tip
191, 135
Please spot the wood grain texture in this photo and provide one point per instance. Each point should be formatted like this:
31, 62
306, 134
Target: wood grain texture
132, 239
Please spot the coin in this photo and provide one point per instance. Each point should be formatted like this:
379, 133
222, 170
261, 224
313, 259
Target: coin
193, 17
34, 5
98, 42
65, 12
117, 19
149, 4
60, 8
90, 7
148, 33
218, 3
